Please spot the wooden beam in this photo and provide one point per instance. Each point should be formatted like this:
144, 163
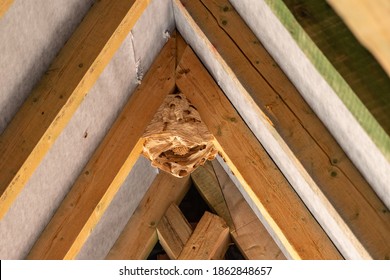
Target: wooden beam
370, 22
210, 239
207, 184
319, 54
173, 231
286, 215
139, 235
4, 6
181, 45
349, 58
250, 236
294, 136
109, 166
50, 106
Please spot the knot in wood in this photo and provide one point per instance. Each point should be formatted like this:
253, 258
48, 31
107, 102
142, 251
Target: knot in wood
176, 140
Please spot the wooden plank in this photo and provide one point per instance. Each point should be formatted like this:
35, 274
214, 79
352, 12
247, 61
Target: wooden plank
209, 240
4, 6
354, 63
370, 22
52, 103
109, 166
173, 231
297, 140
181, 45
304, 58
291, 223
250, 236
139, 236
207, 184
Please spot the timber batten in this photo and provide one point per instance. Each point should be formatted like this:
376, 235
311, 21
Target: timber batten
321, 84
300, 144
236, 143
52, 103
173, 231
139, 236
101, 178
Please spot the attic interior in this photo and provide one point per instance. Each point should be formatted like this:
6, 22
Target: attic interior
288, 107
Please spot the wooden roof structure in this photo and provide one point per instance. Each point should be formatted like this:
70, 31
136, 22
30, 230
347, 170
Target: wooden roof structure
296, 108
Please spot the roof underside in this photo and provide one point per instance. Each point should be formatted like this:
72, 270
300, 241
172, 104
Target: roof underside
67, 72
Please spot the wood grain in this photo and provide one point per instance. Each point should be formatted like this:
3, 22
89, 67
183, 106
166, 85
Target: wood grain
250, 236
283, 210
98, 183
346, 213
209, 240
207, 184
173, 231
50, 106
349, 57
139, 235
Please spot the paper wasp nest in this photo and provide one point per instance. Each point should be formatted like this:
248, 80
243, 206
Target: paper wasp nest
176, 140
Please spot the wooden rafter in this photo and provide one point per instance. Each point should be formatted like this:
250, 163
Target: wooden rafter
207, 184
50, 106
287, 218
209, 240
295, 133
350, 59
139, 235
173, 231
361, 218
249, 234
225, 199
291, 223
111, 163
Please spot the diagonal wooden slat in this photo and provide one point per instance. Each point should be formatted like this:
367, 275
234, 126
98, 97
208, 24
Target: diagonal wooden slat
107, 169
173, 231
139, 235
287, 217
305, 151
250, 236
209, 241
52, 103
207, 184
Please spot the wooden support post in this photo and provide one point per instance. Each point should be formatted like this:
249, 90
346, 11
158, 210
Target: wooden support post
109, 166
50, 106
139, 235
291, 223
250, 236
210, 239
173, 231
